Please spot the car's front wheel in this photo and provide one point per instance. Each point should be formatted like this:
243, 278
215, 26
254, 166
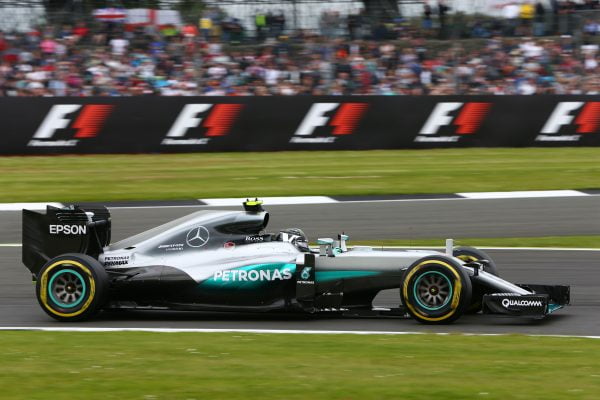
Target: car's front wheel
436, 290
72, 287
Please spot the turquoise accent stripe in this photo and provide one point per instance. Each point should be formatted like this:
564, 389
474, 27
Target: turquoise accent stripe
58, 302
250, 277
256, 276
326, 276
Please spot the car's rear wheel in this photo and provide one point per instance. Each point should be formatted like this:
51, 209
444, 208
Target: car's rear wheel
72, 287
436, 290
470, 254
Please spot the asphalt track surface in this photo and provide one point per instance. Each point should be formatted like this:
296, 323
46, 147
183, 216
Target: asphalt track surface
369, 220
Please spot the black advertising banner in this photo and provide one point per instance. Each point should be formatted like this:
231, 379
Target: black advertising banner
196, 124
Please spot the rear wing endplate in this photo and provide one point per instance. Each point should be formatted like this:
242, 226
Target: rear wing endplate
71, 229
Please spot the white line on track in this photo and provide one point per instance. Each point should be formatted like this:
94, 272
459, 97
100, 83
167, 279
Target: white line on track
448, 199
263, 331
312, 203
266, 204
530, 194
29, 206
272, 200
301, 200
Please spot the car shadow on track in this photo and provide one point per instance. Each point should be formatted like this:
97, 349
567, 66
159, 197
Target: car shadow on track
159, 315
225, 319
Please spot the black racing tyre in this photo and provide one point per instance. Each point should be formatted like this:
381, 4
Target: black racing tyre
436, 290
72, 287
469, 254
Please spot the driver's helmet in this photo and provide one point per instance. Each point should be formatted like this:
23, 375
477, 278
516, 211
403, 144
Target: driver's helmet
294, 236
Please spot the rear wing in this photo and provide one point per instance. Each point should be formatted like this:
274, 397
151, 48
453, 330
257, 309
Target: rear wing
71, 229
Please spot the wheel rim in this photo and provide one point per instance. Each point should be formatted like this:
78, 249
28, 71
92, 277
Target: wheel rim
67, 288
432, 290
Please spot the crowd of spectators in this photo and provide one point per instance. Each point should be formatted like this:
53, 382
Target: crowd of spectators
108, 60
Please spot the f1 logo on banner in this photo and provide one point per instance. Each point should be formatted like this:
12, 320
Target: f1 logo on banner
344, 121
218, 122
587, 120
279, 123
88, 123
467, 121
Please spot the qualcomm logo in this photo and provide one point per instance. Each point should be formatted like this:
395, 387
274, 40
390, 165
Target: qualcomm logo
197, 237
521, 303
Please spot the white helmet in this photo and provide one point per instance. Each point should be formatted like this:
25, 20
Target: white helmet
294, 236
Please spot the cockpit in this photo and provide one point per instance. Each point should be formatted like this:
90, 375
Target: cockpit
294, 236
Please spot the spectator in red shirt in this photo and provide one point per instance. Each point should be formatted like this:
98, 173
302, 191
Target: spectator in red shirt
3, 44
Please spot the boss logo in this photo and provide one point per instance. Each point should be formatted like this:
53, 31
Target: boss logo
68, 229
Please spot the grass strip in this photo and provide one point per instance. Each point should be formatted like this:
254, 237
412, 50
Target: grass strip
207, 175
134, 365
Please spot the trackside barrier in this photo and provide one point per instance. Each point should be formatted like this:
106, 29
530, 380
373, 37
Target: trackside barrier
195, 124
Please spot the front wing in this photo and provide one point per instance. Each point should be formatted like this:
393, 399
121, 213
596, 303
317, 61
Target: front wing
544, 300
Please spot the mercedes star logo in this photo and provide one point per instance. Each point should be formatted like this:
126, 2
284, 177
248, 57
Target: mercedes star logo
197, 237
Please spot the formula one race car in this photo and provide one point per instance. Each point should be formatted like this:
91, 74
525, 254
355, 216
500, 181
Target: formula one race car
223, 261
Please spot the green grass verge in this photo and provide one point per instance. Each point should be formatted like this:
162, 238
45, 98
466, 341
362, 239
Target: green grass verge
592, 242
133, 365
205, 175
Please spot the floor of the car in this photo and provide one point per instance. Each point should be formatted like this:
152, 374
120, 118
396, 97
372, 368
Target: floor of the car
387, 298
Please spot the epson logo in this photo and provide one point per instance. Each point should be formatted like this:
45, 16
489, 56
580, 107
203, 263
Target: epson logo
521, 303
252, 276
68, 229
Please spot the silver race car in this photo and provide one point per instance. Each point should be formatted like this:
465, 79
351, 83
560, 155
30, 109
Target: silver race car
224, 261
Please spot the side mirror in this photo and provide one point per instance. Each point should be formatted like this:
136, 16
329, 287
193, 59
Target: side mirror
342, 242
325, 247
